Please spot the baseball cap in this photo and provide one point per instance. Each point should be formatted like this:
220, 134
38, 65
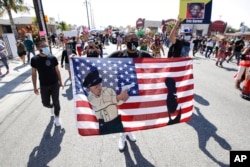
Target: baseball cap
187, 30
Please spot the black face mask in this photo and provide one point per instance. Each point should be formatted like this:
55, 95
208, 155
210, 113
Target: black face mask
132, 44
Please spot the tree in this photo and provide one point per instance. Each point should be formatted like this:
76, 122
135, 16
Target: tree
6, 6
63, 26
230, 29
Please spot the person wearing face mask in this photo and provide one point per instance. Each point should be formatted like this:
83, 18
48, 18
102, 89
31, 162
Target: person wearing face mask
46, 65
131, 41
180, 47
91, 50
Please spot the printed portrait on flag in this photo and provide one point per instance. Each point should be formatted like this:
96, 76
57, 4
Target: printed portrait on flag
195, 11
152, 93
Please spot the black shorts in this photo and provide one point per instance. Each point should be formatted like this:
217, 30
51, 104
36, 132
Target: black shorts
21, 53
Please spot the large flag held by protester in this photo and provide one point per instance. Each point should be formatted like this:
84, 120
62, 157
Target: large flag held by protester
160, 93
195, 11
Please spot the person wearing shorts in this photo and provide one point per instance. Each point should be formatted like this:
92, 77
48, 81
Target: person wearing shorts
21, 50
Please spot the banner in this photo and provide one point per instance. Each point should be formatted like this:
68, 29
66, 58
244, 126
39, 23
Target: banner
160, 93
195, 11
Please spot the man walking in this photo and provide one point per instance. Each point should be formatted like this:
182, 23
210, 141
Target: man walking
50, 78
30, 48
239, 45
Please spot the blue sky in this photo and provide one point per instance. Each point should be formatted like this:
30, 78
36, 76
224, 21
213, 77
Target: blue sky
126, 12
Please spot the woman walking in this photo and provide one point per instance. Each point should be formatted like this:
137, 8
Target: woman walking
21, 50
221, 53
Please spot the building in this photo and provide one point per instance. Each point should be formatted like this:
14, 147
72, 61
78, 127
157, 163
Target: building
25, 24
156, 26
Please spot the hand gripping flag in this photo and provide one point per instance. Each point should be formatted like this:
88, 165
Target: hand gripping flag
160, 93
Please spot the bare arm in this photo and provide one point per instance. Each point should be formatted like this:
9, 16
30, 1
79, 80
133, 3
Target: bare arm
34, 78
162, 50
245, 50
85, 51
59, 76
97, 50
174, 31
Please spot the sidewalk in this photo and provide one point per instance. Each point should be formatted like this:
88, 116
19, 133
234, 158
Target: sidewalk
17, 85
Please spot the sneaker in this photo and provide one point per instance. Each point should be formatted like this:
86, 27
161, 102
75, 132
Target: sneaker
131, 137
122, 142
57, 121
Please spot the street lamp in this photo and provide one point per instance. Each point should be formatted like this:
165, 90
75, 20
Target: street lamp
86, 3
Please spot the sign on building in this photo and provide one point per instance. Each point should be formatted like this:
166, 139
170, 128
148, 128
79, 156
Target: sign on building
195, 11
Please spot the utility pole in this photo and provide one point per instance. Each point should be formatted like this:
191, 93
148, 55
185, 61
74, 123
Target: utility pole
38, 6
91, 15
86, 3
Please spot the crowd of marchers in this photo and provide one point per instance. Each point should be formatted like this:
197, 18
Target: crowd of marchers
132, 44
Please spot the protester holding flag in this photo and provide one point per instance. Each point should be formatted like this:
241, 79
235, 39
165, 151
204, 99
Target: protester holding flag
160, 91
131, 41
180, 47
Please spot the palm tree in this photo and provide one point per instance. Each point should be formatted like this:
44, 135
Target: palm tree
15, 5
63, 26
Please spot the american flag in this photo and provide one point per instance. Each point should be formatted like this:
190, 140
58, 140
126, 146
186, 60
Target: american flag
146, 107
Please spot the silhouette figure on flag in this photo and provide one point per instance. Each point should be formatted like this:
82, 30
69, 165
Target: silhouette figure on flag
171, 102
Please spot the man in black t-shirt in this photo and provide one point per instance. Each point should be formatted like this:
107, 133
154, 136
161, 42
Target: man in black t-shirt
46, 66
91, 50
179, 47
132, 42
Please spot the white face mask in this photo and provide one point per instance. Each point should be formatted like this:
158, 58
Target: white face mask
46, 51
187, 37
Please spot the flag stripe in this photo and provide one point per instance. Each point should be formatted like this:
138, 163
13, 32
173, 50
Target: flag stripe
152, 116
164, 91
141, 124
149, 104
86, 117
162, 79
88, 132
160, 70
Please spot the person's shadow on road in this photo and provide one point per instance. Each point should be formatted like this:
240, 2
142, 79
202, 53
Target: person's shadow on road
49, 146
206, 130
140, 160
68, 92
17, 68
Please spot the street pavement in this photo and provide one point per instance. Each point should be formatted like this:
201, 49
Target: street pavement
220, 123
